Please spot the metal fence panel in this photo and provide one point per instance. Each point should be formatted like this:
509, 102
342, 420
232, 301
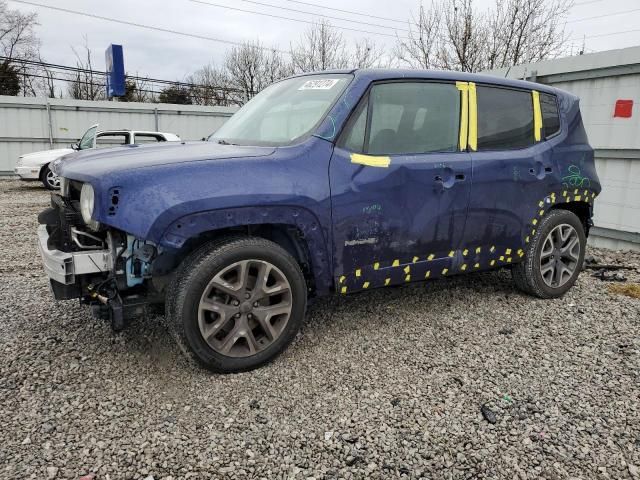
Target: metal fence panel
33, 124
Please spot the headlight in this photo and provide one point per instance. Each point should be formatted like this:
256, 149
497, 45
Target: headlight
87, 202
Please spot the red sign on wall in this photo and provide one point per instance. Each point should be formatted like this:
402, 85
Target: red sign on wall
623, 109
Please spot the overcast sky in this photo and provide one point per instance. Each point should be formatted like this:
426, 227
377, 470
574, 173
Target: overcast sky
169, 56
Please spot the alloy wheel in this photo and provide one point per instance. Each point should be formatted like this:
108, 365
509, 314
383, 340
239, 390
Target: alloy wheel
245, 308
52, 179
559, 255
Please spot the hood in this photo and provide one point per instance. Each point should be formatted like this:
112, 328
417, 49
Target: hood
45, 156
97, 163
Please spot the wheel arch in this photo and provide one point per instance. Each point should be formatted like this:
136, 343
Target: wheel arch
582, 210
296, 230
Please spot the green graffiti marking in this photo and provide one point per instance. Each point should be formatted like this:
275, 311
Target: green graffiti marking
575, 178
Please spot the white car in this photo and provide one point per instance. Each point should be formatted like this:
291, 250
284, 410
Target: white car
35, 166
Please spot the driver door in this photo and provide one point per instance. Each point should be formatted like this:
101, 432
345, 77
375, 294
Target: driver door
400, 181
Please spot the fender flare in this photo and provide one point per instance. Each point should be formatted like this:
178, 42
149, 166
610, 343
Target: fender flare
315, 235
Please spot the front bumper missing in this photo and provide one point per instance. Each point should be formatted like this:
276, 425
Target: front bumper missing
64, 266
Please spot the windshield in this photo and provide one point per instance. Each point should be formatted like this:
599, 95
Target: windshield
87, 138
283, 112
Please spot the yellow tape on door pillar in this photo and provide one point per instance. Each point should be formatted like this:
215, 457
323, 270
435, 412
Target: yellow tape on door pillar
473, 117
464, 114
537, 116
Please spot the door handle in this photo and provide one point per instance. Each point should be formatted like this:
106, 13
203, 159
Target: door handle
460, 177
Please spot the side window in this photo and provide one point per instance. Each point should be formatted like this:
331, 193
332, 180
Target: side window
406, 118
550, 115
141, 138
108, 140
505, 118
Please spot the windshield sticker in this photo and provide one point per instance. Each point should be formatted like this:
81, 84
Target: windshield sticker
324, 84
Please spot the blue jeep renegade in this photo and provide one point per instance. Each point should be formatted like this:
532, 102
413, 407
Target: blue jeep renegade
332, 182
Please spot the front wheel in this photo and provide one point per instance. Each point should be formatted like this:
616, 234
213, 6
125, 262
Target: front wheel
237, 303
554, 257
50, 180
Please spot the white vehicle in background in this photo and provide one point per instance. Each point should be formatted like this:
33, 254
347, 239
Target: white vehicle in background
35, 166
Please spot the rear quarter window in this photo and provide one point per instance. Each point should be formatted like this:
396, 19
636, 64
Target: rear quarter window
505, 118
550, 115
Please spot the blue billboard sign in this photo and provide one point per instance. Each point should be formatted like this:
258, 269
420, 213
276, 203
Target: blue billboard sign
115, 71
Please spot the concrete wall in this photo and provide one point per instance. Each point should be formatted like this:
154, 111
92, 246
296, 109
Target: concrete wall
599, 79
33, 124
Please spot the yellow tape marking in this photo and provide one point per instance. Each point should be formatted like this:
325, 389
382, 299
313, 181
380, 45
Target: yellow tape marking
577, 198
586, 192
465, 252
564, 194
370, 160
473, 117
478, 249
365, 285
507, 251
415, 259
492, 263
534, 221
575, 192
358, 272
540, 204
526, 240
376, 265
541, 212
509, 260
344, 290
533, 232
464, 114
444, 271
387, 281
477, 265
501, 258
463, 267
342, 279
537, 116
452, 253
492, 249
430, 257
407, 269
407, 278
395, 263
428, 274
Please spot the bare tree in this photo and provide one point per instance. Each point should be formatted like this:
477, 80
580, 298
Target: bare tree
251, 68
421, 47
211, 86
451, 34
19, 43
366, 54
87, 84
465, 33
524, 31
321, 47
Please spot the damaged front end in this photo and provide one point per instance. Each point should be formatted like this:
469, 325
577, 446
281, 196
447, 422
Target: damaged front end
102, 266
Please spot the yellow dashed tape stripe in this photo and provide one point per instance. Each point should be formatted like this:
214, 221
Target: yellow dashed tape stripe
370, 161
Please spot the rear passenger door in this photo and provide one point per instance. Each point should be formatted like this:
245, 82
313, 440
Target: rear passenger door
513, 174
400, 177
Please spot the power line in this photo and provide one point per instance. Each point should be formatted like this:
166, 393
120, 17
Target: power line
346, 11
253, 12
603, 16
141, 25
607, 34
307, 12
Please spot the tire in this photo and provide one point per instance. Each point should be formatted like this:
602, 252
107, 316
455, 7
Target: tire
201, 302
533, 275
49, 179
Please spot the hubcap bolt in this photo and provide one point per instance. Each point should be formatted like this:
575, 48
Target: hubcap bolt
255, 304
247, 295
237, 315
236, 303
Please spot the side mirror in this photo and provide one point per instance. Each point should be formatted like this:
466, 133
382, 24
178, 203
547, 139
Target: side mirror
204, 139
75, 146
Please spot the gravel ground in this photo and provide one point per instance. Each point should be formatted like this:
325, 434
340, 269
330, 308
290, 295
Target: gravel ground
384, 384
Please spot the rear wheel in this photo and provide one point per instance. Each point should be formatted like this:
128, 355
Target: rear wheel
237, 303
50, 180
554, 257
